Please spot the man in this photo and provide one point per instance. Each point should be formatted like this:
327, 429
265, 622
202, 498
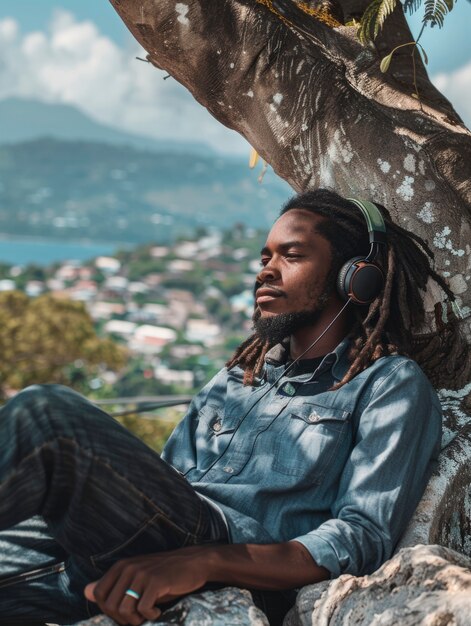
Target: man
301, 460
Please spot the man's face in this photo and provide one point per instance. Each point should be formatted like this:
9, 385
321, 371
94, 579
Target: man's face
291, 286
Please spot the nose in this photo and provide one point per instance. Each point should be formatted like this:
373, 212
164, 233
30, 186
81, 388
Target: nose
268, 273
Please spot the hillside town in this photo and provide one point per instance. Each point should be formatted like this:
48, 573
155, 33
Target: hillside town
179, 310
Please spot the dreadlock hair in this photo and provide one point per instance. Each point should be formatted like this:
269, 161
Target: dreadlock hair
391, 322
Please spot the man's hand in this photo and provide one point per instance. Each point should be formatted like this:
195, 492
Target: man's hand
162, 577
157, 578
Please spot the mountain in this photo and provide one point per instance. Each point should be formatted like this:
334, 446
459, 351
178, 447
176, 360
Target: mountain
101, 192
26, 120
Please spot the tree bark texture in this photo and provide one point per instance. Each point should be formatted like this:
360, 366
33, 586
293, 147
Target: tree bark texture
311, 99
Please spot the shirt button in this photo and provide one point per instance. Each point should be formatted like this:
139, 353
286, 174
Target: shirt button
217, 426
289, 389
313, 417
228, 469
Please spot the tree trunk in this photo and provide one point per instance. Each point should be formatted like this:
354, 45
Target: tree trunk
312, 101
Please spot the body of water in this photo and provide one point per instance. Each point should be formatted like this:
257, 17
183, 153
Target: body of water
21, 251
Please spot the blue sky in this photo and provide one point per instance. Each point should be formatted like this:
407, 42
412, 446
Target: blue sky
90, 37
448, 48
36, 14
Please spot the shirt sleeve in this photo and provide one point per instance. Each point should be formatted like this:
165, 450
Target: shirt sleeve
396, 445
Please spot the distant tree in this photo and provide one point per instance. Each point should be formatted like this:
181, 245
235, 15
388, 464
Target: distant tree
30, 272
138, 380
154, 431
48, 340
200, 232
4, 270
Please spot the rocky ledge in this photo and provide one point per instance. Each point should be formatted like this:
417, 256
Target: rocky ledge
228, 606
419, 586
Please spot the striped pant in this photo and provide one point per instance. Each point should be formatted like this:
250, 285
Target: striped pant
77, 493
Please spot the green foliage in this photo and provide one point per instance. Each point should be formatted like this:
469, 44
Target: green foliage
232, 342
153, 432
377, 11
30, 272
435, 11
219, 308
4, 270
193, 281
386, 61
140, 268
138, 380
411, 6
231, 285
48, 340
373, 19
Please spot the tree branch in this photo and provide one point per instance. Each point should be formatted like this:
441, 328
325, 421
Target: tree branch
313, 102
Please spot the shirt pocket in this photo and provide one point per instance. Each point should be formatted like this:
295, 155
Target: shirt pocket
309, 441
214, 431
213, 422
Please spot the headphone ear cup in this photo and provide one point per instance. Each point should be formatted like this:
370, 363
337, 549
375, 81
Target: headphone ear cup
342, 280
359, 280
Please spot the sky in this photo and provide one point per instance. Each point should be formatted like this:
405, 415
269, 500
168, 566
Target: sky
67, 51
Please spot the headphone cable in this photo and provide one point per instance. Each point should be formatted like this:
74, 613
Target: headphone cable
273, 385
298, 358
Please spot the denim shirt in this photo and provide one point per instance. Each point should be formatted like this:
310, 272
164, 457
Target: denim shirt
339, 471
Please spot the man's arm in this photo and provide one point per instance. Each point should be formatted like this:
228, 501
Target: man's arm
162, 577
397, 441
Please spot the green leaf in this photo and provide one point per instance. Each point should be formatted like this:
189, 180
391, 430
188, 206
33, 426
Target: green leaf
412, 5
373, 19
435, 11
385, 8
385, 63
424, 54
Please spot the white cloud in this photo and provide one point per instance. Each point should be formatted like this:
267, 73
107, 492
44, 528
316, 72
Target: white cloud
73, 63
456, 86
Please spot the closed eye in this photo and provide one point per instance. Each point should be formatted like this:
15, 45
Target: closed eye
289, 255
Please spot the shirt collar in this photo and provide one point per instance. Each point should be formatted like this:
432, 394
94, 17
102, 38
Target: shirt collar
337, 360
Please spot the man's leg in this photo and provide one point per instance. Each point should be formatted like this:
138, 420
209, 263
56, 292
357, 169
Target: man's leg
32, 575
105, 494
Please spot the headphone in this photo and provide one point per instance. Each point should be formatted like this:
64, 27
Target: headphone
360, 280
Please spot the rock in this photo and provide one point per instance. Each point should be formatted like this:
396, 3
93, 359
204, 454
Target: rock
444, 513
419, 586
224, 607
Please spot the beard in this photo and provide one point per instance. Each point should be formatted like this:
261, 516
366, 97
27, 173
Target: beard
277, 327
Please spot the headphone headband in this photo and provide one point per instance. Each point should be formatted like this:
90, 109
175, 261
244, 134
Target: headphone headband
374, 220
